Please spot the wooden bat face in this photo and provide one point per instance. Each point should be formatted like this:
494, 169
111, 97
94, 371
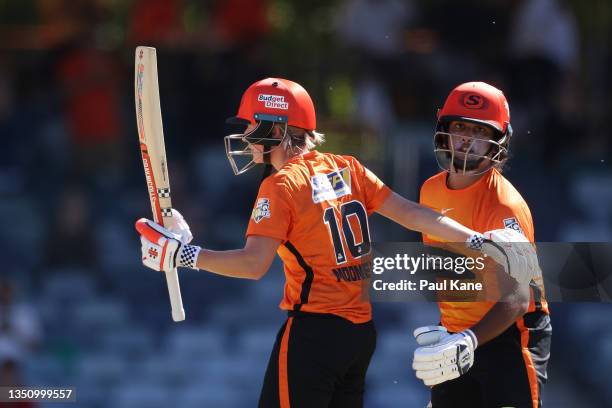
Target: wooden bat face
153, 153
151, 133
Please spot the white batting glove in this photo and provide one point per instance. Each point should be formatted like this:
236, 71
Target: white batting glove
427, 335
445, 360
510, 249
179, 226
162, 250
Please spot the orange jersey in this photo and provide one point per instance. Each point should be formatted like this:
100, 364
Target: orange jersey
490, 203
318, 206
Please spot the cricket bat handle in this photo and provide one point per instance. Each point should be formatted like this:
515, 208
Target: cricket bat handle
174, 290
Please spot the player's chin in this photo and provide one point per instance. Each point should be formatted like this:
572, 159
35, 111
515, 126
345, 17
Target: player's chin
257, 154
459, 166
461, 156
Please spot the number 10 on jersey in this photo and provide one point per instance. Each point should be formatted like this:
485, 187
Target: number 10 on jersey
352, 209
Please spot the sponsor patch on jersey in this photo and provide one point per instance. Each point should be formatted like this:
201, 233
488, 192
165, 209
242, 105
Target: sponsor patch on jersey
261, 210
512, 223
331, 186
273, 101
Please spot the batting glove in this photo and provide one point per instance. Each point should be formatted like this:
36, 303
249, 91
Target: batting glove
510, 249
427, 335
178, 225
446, 359
162, 250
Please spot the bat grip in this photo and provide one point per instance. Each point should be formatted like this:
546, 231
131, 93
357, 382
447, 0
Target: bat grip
174, 290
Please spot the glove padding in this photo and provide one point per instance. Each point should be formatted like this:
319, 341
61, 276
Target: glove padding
162, 250
178, 225
510, 249
446, 359
427, 335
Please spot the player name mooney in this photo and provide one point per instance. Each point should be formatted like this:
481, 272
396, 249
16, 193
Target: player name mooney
424, 284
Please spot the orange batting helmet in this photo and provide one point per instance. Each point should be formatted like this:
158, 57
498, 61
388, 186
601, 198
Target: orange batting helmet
264, 104
277, 97
480, 103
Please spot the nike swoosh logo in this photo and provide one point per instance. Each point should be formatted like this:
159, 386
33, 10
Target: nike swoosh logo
445, 210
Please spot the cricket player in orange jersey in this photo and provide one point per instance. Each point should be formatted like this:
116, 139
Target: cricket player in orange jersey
513, 334
313, 212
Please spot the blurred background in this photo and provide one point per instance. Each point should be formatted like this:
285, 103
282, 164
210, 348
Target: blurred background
76, 306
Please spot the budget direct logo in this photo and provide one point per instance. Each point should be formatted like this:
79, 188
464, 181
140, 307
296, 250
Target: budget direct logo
273, 101
331, 186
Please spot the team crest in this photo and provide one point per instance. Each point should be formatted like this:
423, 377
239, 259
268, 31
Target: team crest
512, 223
261, 210
331, 186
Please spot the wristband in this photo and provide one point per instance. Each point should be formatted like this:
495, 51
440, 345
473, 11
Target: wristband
475, 241
188, 256
469, 333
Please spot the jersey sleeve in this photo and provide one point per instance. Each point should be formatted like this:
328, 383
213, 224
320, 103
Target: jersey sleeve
272, 213
516, 217
374, 190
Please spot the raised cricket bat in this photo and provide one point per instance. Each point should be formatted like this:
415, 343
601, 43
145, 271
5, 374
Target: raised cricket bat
151, 135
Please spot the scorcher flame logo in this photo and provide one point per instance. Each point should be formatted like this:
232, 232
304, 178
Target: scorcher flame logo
261, 210
474, 101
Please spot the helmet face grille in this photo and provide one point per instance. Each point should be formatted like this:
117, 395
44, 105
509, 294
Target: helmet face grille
238, 147
468, 159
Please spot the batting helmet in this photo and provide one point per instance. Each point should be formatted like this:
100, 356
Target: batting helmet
276, 97
265, 103
480, 103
